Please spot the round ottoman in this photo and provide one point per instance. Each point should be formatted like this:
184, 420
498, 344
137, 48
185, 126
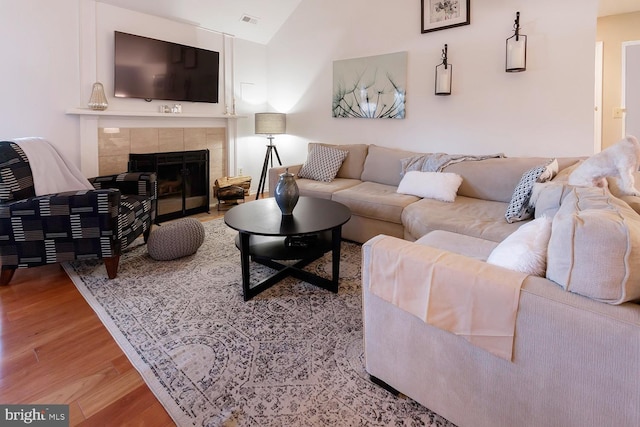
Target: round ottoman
176, 239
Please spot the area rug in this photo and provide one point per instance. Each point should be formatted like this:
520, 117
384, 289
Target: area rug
291, 356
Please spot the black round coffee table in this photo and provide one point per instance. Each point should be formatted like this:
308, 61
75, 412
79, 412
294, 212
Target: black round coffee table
266, 236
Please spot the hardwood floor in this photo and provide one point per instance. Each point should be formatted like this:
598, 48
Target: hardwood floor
55, 350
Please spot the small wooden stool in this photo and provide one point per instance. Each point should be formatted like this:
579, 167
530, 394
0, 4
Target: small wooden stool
230, 190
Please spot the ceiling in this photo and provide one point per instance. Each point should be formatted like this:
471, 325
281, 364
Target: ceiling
615, 7
265, 16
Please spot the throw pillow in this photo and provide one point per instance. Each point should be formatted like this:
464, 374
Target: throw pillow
519, 208
431, 185
525, 250
594, 249
322, 163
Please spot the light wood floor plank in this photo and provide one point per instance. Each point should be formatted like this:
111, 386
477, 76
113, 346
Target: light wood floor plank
55, 350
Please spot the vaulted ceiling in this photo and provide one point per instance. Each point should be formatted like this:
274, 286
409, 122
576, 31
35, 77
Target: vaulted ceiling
254, 20
259, 20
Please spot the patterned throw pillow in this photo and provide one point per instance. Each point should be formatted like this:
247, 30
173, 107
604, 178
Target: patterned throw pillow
519, 208
322, 163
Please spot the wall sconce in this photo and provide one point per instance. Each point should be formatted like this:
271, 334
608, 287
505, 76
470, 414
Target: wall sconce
443, 75
516, 49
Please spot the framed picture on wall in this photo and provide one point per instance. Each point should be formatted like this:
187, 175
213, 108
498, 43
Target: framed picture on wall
372, 87
442, 14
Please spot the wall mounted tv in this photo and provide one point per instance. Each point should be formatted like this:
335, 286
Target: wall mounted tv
154, 69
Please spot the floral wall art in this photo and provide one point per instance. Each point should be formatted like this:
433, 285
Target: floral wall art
372, 87
441, 14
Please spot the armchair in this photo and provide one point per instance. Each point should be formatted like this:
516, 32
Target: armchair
72, 225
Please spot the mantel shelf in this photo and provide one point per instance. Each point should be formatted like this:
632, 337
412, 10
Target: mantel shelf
118, 113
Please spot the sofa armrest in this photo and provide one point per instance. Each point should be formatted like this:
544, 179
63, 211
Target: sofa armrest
559, 340
274, 175
130, 183
418, 253
94, 209
65, 203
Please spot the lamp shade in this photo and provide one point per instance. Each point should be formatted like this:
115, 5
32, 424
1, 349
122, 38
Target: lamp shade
271, 123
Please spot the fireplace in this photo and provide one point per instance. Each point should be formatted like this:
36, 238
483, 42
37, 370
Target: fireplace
183, 181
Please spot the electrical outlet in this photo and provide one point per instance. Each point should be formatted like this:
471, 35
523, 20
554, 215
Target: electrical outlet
240, 171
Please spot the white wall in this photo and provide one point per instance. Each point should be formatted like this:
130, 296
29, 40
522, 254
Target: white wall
39, 76
250, 64
109, 19
546, 110
54, 51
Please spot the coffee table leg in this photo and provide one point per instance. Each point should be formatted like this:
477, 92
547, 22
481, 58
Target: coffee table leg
336, 241
244, 262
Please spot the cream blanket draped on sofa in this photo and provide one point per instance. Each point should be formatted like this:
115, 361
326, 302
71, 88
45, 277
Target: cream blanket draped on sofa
467, 297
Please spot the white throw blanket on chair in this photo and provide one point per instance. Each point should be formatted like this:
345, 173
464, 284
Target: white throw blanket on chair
52, 171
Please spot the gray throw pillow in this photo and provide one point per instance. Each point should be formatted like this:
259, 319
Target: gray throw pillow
519, 208
322, 163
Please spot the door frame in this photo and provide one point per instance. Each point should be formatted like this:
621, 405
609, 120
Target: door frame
623, 94
597, 109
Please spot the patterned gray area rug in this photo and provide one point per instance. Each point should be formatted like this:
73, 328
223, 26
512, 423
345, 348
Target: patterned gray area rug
292, 356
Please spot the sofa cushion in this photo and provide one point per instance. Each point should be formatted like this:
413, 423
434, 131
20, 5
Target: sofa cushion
472, 247
525, 250
432, 185
467, 215
632, 201
595, 246
547, 198
376, 201
324, 190
322, 163
492, 179
383, 165
354, 162
519, 208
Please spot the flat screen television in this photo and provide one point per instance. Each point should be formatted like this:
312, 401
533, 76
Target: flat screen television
155, 69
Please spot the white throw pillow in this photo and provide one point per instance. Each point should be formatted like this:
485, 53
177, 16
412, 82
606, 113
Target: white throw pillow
431, 185
322, 163
525, 250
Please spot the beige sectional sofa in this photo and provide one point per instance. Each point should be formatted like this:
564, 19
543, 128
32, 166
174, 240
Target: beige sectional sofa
575, 359
368, 179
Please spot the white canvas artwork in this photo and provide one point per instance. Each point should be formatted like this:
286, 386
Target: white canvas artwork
372, 87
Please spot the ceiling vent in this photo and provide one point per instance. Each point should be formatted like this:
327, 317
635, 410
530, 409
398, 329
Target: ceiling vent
249, 19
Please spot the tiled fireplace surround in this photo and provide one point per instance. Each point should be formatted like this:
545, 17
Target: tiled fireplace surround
115, 144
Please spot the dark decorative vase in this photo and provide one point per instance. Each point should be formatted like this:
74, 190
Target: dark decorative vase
287, 193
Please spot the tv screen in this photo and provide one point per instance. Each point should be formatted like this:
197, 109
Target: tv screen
155, 69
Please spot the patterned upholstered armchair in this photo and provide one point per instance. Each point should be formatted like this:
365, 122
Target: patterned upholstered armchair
85, 224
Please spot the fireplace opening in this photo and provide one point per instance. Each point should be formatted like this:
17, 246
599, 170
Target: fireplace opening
183, 181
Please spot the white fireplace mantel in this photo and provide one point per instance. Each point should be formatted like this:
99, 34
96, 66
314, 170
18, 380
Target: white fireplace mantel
119, 113
92, 120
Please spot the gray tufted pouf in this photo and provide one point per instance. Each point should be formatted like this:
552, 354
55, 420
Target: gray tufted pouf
176, 239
